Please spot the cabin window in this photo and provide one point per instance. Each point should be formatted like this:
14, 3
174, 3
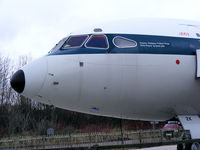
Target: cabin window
74, 41
122, 42
97, 41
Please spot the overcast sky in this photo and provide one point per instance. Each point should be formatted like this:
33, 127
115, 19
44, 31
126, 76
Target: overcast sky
33, 27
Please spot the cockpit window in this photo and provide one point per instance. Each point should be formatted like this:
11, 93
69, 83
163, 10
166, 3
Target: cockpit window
97, 41
58, 46
122, 42
74, 41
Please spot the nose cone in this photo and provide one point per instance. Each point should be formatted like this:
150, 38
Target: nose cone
18, 81
35, 74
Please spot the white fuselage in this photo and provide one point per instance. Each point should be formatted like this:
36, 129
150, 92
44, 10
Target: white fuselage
155, 80
132, 86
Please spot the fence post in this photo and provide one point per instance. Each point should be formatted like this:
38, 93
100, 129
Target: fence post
161, 136
140, 137
122, 136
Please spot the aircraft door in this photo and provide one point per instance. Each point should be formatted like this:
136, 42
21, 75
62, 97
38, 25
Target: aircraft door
198, 63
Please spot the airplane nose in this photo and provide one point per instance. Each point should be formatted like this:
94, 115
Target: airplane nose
18, 81
31, 78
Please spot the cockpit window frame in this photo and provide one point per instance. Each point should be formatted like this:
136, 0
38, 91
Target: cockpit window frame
91, 36
58, 45
113, 41
87, 36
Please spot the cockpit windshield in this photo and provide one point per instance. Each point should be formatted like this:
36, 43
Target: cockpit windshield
58, 45
82, 44
98, 42
74, 41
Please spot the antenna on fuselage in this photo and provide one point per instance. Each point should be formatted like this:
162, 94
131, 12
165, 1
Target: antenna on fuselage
98, 30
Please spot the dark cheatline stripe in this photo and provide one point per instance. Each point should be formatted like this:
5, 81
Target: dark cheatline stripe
146, 44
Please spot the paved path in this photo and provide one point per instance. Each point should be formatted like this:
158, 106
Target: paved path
159, 148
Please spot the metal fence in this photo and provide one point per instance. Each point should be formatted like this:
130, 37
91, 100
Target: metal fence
93, 139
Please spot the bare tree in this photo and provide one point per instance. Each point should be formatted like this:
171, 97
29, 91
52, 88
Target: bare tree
5, 90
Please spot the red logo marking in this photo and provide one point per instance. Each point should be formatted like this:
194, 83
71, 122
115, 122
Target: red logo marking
184, 34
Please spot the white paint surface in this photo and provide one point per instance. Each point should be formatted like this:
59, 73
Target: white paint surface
198, 63
192, 123
159, 148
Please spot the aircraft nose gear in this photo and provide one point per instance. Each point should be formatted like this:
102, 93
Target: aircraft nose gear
188, 146
191, 123
195, 146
